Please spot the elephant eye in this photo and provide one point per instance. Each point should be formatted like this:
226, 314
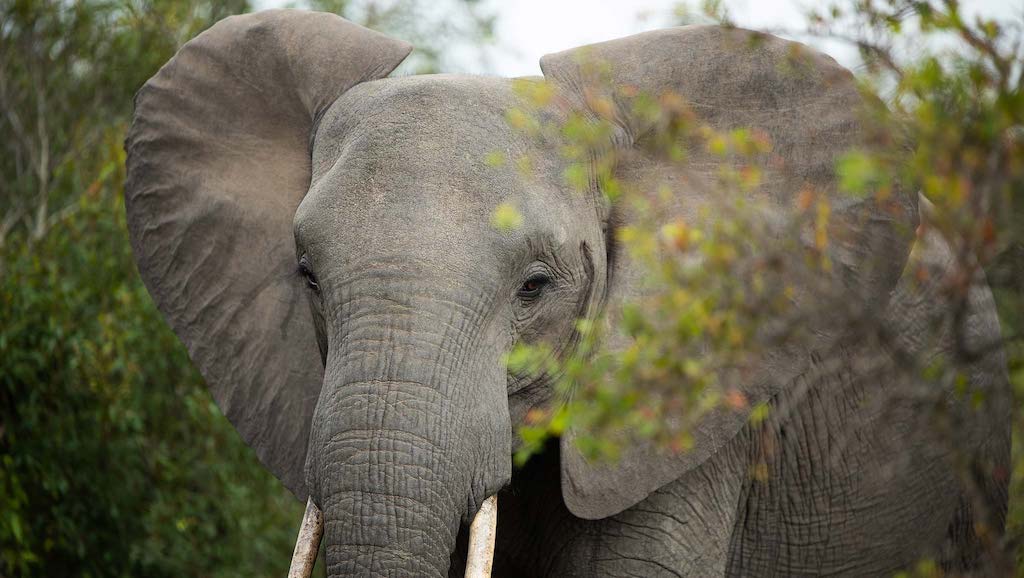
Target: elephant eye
533, 286
308, 274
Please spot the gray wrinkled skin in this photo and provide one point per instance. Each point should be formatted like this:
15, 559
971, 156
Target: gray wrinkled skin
373, 380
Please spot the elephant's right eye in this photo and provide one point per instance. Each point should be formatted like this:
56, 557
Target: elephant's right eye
308, 274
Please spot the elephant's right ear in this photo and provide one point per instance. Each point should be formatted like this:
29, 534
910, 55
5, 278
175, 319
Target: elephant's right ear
218, 161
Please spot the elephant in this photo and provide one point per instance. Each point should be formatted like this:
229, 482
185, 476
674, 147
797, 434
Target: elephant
318, 233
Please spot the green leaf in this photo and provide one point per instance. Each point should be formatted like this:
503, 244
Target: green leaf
506, 218
858, 172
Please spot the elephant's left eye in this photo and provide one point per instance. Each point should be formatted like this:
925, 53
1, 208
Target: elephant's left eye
533, 286
308, 274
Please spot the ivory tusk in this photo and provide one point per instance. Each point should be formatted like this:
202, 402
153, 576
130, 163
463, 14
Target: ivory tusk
481, 540
308, 542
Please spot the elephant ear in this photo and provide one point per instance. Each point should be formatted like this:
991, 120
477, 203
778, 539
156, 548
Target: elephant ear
808, 107
218, 161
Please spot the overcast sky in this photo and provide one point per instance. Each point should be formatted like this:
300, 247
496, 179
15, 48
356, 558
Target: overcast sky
528, 29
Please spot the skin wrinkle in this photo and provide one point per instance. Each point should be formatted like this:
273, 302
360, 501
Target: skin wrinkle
661, 531
408, 555
426, 534
413, 501
410, 503
350, 298
643, 562
348, 340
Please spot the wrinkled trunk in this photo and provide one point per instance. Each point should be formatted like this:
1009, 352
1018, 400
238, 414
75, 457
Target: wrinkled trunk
389, 512
407, 441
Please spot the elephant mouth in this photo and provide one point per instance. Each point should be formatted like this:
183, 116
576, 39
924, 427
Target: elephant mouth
482, 533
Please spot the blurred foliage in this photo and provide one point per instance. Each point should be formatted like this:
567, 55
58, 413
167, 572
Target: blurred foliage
945, 117
114, 460
68, 72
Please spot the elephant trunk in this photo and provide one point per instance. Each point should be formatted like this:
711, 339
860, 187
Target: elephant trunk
394, 494
411, 435
368, 544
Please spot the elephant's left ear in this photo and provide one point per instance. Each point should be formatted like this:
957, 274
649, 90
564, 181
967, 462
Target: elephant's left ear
218, 162
807, 106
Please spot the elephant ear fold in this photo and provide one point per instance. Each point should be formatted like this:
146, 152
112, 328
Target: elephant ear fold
218, 160
807, 106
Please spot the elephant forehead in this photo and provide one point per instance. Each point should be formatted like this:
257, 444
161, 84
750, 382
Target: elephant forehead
409, 155
432, 126
416, 140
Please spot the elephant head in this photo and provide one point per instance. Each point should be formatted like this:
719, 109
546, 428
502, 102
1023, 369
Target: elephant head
320, 238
